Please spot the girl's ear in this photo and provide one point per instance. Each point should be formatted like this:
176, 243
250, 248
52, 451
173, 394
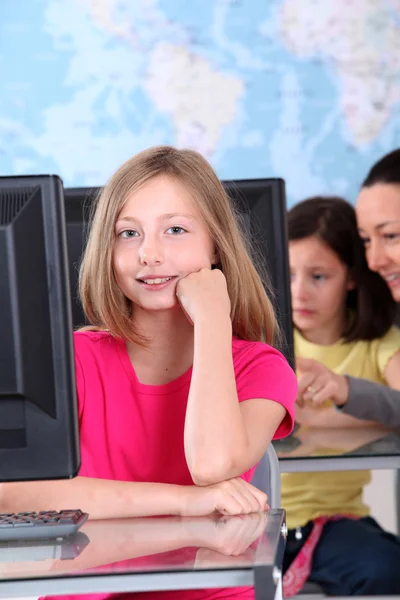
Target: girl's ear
215, 258
351, 284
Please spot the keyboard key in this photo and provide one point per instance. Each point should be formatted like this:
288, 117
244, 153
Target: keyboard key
43, 525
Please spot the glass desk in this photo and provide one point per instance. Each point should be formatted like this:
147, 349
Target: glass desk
153, 554
338, 449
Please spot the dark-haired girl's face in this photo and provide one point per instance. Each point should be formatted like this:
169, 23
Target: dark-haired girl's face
378, 220
319, 286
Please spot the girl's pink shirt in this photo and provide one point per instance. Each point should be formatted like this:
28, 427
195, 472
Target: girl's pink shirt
130, 431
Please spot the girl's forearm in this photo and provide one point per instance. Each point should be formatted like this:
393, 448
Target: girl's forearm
101, 498
214, 430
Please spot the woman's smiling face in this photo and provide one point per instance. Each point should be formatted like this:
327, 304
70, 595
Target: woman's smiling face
378, 220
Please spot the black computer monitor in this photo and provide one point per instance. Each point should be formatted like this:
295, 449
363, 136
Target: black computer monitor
263, 205
38, 412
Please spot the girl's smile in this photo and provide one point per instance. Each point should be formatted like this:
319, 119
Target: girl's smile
156, 282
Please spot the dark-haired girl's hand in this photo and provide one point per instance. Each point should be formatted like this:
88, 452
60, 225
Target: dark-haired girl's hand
204, 294
318, 384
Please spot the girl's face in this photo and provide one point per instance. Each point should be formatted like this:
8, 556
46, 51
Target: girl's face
160, 238
319, 285
378, 219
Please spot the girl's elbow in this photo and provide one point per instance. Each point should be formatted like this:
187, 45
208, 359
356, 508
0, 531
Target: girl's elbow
211, 472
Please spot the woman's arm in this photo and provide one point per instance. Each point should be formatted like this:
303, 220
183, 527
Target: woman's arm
359, 398
375, 402
372, 402
328, 417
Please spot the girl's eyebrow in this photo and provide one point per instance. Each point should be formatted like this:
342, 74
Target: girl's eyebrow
318, 267
168, 216
127, 218
164, 217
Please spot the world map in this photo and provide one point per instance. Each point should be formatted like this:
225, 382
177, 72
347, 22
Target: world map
306, 90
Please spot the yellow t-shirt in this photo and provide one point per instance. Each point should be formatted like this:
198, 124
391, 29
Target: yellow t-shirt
306, 496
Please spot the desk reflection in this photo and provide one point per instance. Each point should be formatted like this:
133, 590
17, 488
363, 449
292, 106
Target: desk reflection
150, 544
361, 447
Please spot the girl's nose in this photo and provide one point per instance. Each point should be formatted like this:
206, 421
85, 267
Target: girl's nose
299, 289
151, 254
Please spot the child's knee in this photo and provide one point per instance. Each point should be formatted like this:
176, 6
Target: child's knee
380, 573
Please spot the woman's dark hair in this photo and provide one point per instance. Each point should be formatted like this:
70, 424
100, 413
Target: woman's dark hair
333, 221
386, 170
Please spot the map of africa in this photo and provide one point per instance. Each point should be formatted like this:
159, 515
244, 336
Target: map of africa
307, 90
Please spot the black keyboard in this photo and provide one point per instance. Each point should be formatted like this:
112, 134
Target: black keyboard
48, 524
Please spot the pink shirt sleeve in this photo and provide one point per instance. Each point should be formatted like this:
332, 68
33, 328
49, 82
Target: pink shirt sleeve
80, 385
263, 372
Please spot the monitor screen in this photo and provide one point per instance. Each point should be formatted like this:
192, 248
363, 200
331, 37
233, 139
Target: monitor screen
262, 204
38, 412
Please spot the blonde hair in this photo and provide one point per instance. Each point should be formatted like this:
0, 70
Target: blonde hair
103, 302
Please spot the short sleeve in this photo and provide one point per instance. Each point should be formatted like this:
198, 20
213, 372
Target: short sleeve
388, 346
263, 372
80, 381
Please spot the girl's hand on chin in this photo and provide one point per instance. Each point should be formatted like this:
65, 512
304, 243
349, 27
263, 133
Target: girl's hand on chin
204, 294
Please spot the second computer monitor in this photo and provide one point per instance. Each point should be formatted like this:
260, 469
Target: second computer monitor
262, 204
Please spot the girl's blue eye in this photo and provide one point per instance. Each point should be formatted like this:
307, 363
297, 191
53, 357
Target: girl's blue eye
175, 230
128, 233
391, 236
319, 277
365, 241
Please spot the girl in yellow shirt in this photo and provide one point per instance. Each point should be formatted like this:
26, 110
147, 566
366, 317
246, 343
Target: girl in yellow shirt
343, 315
